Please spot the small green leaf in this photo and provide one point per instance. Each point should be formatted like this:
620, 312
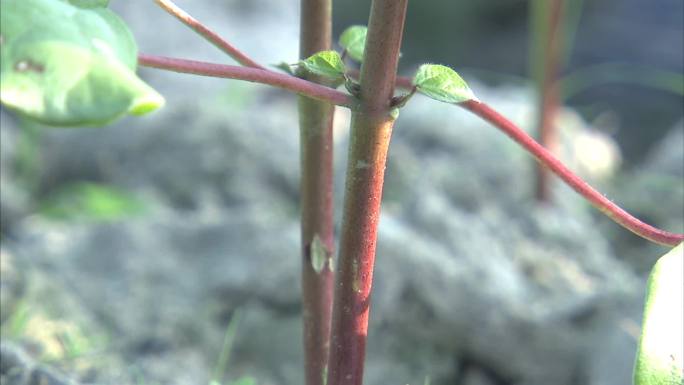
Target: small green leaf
325, 63
353, 39
70, 66
442, 83
660, 356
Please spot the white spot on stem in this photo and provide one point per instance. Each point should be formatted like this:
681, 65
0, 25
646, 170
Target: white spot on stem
362, 164
319, 255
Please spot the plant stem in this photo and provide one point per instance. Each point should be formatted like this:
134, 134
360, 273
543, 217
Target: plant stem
545, 157
276, 79
316, 189
401, 82
369, 142
547, 15
207, 33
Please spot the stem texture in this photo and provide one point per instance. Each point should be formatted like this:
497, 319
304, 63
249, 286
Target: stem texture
316, 189
370, 138
369, 142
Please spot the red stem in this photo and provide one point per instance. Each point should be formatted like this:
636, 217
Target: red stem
369, 142
316, 189
401, 81
208, 34
255, 75
545, 157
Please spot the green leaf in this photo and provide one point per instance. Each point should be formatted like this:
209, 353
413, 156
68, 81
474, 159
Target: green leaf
325, 63
442, 83
353, 39
69, 66
660, 356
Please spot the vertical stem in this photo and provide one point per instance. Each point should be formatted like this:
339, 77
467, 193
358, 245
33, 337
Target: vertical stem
370, 137
548, 38
316, 159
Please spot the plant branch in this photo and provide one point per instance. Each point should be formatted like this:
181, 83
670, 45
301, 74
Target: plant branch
316, 189
255, 75
597, 199
369, 142
207, 33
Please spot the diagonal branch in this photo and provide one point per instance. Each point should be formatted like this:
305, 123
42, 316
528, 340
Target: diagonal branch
607, 207
255, 75
208, 34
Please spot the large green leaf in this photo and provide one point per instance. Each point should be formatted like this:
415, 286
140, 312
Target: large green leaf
442, 83
353, 39
70, 65
660, 358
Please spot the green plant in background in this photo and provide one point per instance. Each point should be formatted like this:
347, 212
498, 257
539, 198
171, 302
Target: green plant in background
61, 341
224, 354
15, 325
91, 201
72, 63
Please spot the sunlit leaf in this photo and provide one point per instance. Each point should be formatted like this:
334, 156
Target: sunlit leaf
69, 66
325, 63
660, 358
442, 83
353, 39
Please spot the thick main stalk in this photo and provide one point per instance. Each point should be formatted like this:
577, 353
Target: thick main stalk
316, 189
369, 142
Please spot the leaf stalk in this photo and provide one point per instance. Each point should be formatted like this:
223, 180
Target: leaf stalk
255, 75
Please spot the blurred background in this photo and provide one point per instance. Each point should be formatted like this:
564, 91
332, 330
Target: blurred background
616, 41
165, 249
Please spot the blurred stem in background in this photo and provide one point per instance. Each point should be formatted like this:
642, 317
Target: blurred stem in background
548, 42
316, 189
